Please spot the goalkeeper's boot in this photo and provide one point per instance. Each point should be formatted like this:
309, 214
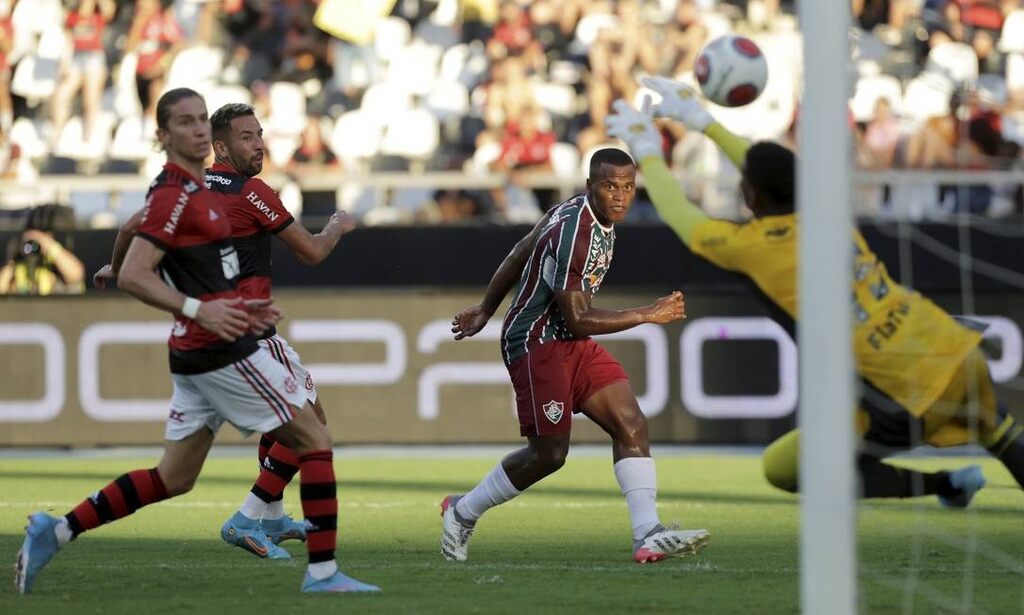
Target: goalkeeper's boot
455, 531
245, 533
285, 528
661, 543
38, 549
967, 481
337, 583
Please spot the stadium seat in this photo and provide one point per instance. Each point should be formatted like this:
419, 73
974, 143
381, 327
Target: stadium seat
869, 90
926, 96
194, 66
590, 26
383, 100
1012, 38
412, 134
956, 61
447, 100
453, 61
414, 68
391, 36
482, 158
287, 109
25, 134
356, 136
220, 95
126, 97
1015, 72
555, 98
281, 148
565, 160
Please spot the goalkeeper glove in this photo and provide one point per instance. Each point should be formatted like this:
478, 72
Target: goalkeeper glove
634, 127
679, 102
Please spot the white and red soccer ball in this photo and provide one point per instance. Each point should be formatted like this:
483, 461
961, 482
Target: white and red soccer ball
731, 71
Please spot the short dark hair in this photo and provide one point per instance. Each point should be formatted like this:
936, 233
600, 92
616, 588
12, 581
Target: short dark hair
220, 121
169, 98
770, 169
611, 156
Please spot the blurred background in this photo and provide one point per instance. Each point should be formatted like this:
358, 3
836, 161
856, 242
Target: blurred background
445, 127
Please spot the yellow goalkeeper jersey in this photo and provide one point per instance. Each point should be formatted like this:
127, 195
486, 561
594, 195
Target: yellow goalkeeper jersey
904, 344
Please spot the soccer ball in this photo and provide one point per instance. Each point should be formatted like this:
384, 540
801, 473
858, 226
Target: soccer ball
731, 71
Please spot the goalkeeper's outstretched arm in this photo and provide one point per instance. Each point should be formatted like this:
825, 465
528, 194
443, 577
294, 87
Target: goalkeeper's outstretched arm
668, 198
734, 146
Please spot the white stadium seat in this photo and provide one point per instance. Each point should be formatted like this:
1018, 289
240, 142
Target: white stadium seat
414, 68
411, 134
194, 66
287, 109
25, 134
130, 142
555, 98
391, 35
869, 90
926, 96
1012, 38
565, 160
356, 135
448, 99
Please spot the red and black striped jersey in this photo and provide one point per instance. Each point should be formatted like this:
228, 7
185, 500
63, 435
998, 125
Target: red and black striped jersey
256, 213
573, 252
184, 220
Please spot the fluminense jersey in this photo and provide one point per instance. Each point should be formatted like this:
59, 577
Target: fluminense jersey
573, 252
905, 345
184, 220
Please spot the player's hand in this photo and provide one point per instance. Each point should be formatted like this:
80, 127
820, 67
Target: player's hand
679, 102
225, 317
263, 314
104, 278
470, 321
634, 127
667, 309
345, 221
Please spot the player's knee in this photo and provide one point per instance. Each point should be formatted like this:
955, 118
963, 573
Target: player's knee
633, 430
178, 485
552, 456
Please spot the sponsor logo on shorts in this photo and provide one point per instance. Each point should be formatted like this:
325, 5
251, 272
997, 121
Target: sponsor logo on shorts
177, 417
290, 385
553, 410
309, 382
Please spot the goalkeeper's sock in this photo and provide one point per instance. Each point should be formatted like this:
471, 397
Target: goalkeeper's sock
123, 496
1009, 448
881, 480
494, 489
639, 483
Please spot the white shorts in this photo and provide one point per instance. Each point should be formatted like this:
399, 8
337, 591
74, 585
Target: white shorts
286, 355
256, 394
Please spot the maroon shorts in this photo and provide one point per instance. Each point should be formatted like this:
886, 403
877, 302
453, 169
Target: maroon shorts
555, 379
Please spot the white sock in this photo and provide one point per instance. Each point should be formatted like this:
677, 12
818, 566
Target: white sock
253, 507
494, 489
63, 532
639, 483
274, 510
322, 570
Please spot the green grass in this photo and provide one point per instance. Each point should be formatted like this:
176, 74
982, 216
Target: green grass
563, 547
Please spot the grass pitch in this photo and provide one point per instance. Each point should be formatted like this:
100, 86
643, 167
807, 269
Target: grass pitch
562, 547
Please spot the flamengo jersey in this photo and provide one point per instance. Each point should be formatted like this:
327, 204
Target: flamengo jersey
182, 219
904, 345
573, 252
255, 212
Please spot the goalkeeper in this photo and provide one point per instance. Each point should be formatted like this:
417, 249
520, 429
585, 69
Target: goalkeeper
922, 374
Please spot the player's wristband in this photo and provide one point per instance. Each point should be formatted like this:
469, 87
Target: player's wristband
190, 308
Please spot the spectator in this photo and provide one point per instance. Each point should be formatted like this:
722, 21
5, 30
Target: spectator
451, 207
882, 135
86, 70
39, 265
154, 36
313, 152
525, 147
513, 36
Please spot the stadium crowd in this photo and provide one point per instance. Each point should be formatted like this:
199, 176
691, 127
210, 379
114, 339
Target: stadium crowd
508, 87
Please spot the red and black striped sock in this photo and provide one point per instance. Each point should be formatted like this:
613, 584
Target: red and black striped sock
319, 504
126, 494
267, 442
279, 467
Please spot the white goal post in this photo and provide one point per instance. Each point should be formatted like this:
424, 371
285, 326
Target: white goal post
828, 557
